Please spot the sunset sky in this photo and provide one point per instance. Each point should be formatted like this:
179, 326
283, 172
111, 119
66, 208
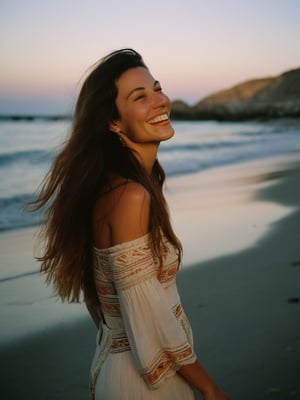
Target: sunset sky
194, 47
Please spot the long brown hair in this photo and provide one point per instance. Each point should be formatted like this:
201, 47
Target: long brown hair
71, 187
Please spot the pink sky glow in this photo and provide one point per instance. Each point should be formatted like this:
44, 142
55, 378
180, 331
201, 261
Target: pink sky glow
194, 47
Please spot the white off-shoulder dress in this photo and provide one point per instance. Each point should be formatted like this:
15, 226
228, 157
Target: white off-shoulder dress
144, 336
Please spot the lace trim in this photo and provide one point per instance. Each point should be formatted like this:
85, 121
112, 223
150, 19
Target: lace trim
124, 245
165, 361
126, 265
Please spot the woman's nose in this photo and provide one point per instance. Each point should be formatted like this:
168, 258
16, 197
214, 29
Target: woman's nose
160, 100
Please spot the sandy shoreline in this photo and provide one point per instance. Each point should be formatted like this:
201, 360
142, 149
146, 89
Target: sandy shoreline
243, 308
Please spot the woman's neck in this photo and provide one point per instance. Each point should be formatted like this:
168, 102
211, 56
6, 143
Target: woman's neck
146, 155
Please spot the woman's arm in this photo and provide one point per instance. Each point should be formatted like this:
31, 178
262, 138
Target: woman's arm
196, 375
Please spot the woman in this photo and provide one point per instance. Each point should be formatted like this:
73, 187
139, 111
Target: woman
107, 233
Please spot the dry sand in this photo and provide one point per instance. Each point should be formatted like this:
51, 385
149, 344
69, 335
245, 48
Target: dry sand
244, 308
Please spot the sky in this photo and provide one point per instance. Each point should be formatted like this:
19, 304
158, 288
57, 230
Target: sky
193, 47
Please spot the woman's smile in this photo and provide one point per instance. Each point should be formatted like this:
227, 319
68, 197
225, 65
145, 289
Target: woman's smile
159, 119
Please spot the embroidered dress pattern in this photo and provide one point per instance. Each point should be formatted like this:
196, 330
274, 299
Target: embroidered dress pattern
143, 315
164, 361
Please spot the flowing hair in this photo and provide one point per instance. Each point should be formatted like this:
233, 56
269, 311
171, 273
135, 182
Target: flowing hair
76, 176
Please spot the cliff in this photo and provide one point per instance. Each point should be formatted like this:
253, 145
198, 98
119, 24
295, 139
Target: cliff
272, 97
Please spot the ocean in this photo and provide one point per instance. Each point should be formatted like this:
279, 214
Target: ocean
28, 146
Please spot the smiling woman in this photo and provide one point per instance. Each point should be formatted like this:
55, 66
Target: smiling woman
143, 114
108, 234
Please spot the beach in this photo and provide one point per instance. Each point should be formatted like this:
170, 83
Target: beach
239, 284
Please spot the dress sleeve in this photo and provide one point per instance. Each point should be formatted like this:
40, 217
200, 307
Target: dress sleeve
158, 340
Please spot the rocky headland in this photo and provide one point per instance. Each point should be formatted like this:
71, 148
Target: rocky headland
265, 98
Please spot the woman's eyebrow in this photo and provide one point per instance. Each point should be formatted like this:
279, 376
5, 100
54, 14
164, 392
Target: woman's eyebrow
140, 88
134, 90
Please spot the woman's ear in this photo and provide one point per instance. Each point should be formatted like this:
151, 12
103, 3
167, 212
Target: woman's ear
114, 127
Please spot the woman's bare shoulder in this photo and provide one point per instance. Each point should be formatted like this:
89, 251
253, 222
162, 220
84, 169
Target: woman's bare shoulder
131, 213
132, 199
134, 191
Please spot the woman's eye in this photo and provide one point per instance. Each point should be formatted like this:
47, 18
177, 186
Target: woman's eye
140, 97
158, 89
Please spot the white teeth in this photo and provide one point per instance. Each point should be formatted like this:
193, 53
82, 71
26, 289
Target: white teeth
160, 118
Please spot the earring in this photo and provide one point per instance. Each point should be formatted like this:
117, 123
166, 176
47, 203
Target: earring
121, 141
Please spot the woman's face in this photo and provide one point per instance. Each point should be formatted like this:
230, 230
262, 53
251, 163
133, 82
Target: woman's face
143, 108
